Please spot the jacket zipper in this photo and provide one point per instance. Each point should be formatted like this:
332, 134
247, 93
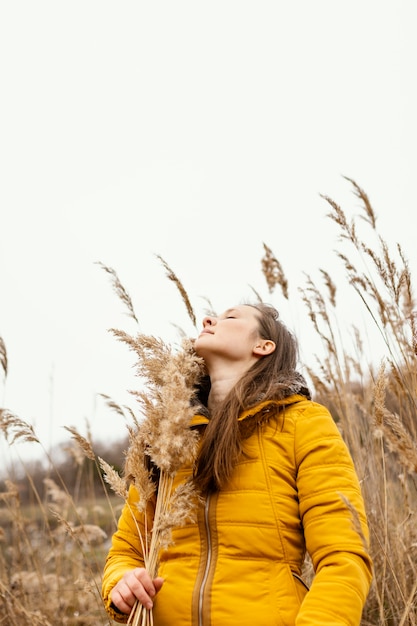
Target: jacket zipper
301, 580
208, 561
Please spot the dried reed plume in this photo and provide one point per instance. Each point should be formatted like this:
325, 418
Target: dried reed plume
15, 429
396, 434
3, 357
113, 478
85, 447
112, 404
273, 272
120, 290
83, 443
356, 522
389, 287
414, 333
84, 534
58, 496
172, 276
360, 193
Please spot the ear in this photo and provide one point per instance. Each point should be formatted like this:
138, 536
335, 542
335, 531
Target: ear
264, 347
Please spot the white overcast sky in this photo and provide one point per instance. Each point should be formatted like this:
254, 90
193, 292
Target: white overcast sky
195, 131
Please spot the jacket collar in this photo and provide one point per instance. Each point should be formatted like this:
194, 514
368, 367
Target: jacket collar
201, 420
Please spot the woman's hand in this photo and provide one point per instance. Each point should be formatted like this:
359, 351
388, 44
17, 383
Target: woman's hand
136, 584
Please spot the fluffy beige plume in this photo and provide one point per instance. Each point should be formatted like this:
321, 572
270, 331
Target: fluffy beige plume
88, 534
414, 334
56, 495
76, 453
112, 404
360, 193
273, 272
15, 429
152, 355
180, 509
83, 443
120, 290
396, 434
174, 278
170, 441
356, 523
137, 468
170, 377
3, 357
116, 482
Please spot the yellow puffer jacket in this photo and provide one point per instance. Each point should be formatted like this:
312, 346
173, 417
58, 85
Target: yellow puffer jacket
241, 563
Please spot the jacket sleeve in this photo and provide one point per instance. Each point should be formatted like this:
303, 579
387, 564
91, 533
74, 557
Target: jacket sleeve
333, 516
126, 549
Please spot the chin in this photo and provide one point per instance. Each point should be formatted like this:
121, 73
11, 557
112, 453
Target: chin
198, 348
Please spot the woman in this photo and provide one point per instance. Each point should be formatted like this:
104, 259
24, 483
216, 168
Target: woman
276, 480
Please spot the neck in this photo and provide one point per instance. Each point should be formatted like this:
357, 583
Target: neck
219, 390
223, 379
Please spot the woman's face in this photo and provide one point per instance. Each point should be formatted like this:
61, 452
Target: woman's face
232, 335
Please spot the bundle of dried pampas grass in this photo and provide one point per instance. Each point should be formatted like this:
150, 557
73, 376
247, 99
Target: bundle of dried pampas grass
160, 442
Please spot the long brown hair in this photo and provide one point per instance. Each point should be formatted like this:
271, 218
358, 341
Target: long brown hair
272, 377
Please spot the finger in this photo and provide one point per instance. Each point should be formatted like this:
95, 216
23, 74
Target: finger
157, 583
142, 587
124, 605
142, 576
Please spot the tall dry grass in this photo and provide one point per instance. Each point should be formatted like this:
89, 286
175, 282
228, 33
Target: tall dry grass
52, 549
52, 542
370, 385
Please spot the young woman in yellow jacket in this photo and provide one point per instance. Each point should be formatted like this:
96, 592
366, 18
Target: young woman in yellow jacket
276, 479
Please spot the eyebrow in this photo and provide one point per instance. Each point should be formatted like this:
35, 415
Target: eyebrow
230, 311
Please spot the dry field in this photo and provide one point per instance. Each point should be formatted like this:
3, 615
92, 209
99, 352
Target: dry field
54, 531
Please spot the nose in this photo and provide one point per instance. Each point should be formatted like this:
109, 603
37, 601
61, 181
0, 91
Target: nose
209, 321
